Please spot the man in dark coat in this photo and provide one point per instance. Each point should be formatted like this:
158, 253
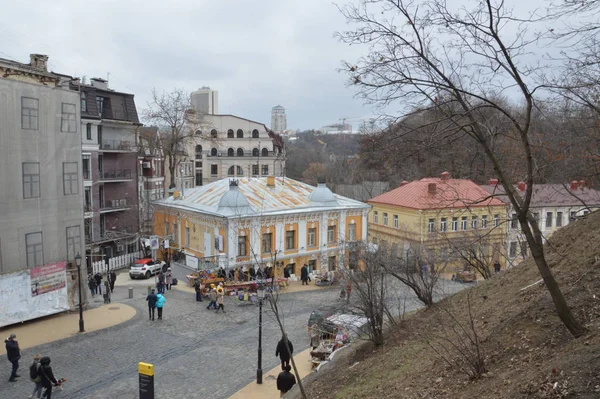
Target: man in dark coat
285, 380
151, 298
47, 377
304, 275
14, 354
113, 278
283, 353
198, 290
98, 278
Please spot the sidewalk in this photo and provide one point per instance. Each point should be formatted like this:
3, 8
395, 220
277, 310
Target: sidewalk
293, 286
64, 325
268, 389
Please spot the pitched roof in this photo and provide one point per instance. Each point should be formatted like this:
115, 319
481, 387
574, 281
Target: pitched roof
252, 197
449, 193
552, 195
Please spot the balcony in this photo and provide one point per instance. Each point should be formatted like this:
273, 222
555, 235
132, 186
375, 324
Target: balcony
88, 212
116, 205
118, 146
116, 175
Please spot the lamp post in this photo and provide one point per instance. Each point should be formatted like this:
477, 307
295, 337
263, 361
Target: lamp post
78, 263
260, 291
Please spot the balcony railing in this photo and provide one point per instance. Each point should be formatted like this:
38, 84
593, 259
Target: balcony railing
118, 145
116, 174
115, 204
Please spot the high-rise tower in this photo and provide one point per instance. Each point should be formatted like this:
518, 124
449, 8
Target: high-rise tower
278, 119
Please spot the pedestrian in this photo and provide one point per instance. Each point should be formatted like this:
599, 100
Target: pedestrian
348, 290
98, 278
497, 267
47, 377
34, 375
113, 279
220, 295
92, 285
282, 351
212, 295
198, 289
151, 298
14, 354
304, 274
161, 283
160, 304
169, 278
285, 380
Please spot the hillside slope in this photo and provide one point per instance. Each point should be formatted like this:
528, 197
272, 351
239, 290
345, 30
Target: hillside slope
528, 351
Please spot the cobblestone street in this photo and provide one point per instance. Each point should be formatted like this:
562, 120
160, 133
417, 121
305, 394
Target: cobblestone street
196, 353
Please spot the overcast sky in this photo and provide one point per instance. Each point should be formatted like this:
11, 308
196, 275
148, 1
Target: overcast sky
257, 54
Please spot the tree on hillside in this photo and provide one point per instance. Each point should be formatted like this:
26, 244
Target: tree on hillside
178, 123
456, 63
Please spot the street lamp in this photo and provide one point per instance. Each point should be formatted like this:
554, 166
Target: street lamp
260, 292
78, 263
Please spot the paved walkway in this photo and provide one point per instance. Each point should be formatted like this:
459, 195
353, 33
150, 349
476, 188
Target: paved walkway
293, 286
64, 325
268, 389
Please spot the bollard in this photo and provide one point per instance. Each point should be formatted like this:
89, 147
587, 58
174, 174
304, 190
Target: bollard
149, 289
130, 292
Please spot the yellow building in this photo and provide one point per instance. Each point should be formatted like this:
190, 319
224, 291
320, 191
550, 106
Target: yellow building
449, 222
261, 222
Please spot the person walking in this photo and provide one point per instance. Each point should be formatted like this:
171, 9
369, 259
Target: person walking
160, 304
161, 283
98, 278
113, 279
47, 377
285, 380
220, 295
92, 285
304, 274
198, 289
283, 353
34, 375
151, 298
212, 295
14, 354
169, 278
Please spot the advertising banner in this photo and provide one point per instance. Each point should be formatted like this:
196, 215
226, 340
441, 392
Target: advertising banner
48, 278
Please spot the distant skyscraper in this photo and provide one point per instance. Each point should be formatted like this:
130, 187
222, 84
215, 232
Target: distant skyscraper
278, 119
206, 100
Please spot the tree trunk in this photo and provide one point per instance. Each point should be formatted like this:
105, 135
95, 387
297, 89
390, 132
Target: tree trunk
172, 172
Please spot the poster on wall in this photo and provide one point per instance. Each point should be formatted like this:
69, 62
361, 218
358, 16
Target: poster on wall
48, 278
191, 261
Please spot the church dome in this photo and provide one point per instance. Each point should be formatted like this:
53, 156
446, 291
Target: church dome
323, 196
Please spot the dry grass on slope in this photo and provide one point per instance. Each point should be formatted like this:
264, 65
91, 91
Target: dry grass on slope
528, 352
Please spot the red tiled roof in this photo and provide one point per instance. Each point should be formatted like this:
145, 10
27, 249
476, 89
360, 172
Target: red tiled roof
451, 193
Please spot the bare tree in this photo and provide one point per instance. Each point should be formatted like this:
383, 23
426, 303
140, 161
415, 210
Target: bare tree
458, 62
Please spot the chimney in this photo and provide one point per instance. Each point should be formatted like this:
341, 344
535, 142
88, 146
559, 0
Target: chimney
99, 83
233, 183
521, 186
404, 183
271, 181
493, 182
445, 176
39, 62
574, 184
431, 188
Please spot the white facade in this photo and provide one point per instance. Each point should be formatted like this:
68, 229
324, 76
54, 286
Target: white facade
278, 119
206, 100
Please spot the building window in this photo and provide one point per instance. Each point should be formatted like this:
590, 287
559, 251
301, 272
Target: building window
255, 152
431, 226
330, 234
454, 224
214, 152
241, 243
31, 180
87, 197
175, 232
352, 232
255, 134
239, 170
231, 171
230, 134
86, 166
290, 239
396, 221
68, 122
375, 217
265, 170
312, 237
70, 181
100, 105
214, 170
34, 244
385, 219
484, 220
29, 113
198, 132
443, 224
187, 237
73, 242
463, 223
88, 131
559, 219
240, 134
549, 219
213, 134
514, 222
474, 222
230, 152
240, 152
83, 102
512, 251
496, 220
266, 243
265, 152
254, 170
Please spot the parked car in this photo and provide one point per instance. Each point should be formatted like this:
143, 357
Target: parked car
144, 268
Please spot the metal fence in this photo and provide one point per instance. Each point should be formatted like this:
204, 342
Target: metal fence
116, 263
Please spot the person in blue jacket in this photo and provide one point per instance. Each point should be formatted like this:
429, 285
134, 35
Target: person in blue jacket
160, 304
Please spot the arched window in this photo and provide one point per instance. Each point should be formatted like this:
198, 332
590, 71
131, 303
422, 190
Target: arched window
198, 132
255, 152
213, 133
265, 152
83, 102
240, 134
230, 134
239, 170
198, 151
230, 152
230, 171
255, 134
240, 152
213, 152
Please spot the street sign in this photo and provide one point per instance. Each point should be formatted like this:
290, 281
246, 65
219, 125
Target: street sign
167, 244
154, 244
146, 377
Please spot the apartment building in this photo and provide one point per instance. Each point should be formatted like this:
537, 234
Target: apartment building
41, 200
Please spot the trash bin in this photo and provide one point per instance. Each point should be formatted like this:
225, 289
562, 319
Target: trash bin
130, 292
